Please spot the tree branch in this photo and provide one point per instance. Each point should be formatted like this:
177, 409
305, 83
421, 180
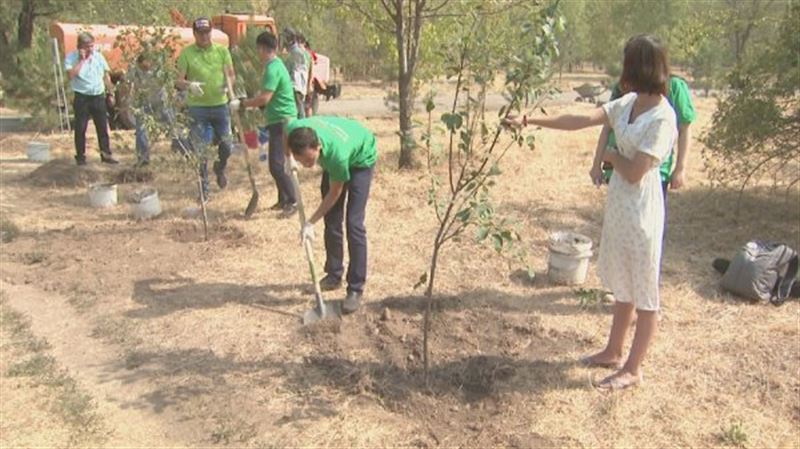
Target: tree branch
378, 23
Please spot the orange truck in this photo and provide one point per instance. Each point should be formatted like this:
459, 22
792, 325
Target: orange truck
229, 30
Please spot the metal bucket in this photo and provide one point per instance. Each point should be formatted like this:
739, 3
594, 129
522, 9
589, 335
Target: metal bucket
569, 258
103, 195
144, 204
38, 151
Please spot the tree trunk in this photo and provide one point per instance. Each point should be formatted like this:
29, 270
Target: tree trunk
408, 27
428, 305
407, 143
25, 24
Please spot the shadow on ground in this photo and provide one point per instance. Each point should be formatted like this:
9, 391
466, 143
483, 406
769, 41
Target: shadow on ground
160, 297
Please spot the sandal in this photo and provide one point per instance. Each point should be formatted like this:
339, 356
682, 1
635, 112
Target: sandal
589, 362
619, 381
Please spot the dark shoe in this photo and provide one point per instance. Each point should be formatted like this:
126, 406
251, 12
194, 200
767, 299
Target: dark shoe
329, 283
142, 163
277, 206
289, 210
222, 181
721, 265
108, 159
351, 302
80, 160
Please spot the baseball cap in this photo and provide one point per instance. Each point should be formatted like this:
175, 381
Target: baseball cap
201, 24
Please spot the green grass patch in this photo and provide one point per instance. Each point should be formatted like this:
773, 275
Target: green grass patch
8, 230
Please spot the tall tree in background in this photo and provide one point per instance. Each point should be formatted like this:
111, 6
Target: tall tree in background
756, 126
404, 19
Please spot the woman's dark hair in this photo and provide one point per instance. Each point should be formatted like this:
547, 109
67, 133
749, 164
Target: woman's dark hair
301, 139
267, 40
646, 66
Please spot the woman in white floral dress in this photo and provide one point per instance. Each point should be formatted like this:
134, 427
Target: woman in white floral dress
630, 247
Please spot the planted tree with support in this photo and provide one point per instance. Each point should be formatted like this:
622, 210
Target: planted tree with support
464, 157
157, 106
404, 20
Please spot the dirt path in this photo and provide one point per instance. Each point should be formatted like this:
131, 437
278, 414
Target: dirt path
87, 361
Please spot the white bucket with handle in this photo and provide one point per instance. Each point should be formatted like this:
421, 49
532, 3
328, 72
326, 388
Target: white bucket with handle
38, 151
103, 195
144, 203
569, 258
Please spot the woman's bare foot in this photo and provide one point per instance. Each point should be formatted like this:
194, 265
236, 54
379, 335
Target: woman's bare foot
601, 360
620, 380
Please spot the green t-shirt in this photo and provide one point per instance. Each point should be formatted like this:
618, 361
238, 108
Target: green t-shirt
345, 144
206, 65
276, 80
681, 101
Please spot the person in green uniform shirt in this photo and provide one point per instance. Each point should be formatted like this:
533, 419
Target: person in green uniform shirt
277, 94
202, 70
673, 169
347, 152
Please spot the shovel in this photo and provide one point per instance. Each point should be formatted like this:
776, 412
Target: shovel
322, 310
251, 206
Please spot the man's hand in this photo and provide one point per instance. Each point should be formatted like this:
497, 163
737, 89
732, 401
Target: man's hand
195, 88
289, 165
678, 179
307, 232
84, 54
234, 105
110, 100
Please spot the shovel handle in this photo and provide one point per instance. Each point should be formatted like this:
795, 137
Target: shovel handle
307, 243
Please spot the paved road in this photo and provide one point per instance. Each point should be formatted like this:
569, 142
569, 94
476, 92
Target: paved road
375, 107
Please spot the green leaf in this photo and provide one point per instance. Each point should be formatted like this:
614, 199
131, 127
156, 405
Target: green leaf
452, 121
430, 105
498, 242
495, 170
422, 280
531, 142
464, 214
531, 273
483, 232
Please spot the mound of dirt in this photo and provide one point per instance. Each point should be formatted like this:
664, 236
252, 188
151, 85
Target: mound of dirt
193, 233
134, 175
65, 173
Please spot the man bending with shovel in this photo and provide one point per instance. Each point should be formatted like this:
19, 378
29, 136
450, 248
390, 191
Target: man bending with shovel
346, 151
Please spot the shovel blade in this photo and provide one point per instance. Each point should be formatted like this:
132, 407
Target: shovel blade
329, 311
251, 206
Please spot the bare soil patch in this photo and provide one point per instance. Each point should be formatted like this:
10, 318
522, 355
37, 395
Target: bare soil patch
65, 173
205, 337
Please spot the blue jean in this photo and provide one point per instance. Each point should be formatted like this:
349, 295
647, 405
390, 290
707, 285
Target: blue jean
286, 193
211, 124
142, 141
356, 192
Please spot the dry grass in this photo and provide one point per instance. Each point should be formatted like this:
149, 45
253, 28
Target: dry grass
42, 405
212, 329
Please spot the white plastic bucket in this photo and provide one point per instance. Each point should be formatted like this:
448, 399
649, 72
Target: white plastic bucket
144, 204
103, 195
569, 258
38, 151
